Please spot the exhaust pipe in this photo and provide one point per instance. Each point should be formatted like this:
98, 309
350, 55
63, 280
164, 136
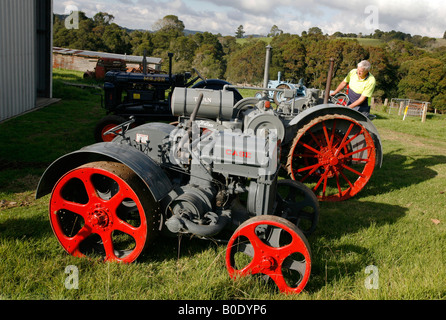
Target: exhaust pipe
330, 75
266, 72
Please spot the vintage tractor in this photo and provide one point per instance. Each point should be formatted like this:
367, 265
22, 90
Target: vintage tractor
145, 96
304, 97
105, 65
214, 175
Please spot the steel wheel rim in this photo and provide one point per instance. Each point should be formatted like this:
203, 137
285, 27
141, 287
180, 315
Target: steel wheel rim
269, 256
322, 154
93, 217
298, 204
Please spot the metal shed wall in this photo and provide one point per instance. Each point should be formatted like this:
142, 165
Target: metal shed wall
21, 55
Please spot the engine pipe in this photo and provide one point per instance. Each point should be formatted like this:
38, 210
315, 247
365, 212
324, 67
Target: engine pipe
266, 72
181, 224
330, 75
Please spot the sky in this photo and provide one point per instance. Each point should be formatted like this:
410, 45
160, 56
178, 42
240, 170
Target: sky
416, 17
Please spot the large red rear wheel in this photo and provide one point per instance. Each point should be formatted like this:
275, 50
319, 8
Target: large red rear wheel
272, 246
334, 155
103, 209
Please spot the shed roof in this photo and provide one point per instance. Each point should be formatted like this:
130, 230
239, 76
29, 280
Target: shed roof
96, 54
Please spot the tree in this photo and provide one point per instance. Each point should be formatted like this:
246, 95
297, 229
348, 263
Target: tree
184, 51
384, 69
293, 55
171, 25
247, 64
315, 31
103, 18
140, 41
275, 31
116, 39
424, 79
240, 32
207, 62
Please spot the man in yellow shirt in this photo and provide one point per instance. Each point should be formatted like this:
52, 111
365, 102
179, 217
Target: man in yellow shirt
361, 86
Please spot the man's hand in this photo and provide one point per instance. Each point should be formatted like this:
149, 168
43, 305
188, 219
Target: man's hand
358, 102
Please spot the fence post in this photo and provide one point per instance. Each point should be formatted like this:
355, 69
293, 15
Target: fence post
401, 108
423, 117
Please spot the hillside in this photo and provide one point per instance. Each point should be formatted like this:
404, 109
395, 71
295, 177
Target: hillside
405, 66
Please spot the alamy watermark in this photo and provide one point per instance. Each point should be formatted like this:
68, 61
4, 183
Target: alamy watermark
72, 20
258, 149
372, 280
72, 281
372, 20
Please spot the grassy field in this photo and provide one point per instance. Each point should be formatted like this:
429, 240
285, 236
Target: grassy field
396, 224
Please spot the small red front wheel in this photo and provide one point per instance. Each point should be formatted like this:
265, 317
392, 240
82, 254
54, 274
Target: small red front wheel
103, 209
272, 246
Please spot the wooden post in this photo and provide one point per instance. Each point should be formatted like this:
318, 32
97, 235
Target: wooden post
423, 117
401, 108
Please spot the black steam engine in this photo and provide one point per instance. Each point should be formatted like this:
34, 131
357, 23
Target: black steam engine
145, 96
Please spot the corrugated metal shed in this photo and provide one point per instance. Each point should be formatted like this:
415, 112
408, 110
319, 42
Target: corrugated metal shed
25, 49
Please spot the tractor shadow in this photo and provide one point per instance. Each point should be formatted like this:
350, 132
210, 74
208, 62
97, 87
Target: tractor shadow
333, 259
399, 171
174, 247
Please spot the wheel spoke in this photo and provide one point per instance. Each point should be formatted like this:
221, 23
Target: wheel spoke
333, 131
311, 168
357, 151
321, 179
338, 184
71, 244
315, 139
343, 139
346, 179
309, 148
74, 207
341, 146
107, 242
353, 170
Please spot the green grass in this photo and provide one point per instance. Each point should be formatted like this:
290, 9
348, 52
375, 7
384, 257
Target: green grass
242, 41
391, 224
366, 42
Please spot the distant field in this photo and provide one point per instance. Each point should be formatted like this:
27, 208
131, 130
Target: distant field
367, 42
245, 40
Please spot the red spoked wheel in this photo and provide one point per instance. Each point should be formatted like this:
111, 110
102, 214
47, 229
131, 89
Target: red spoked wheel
272, 246
335, 155
103, 209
